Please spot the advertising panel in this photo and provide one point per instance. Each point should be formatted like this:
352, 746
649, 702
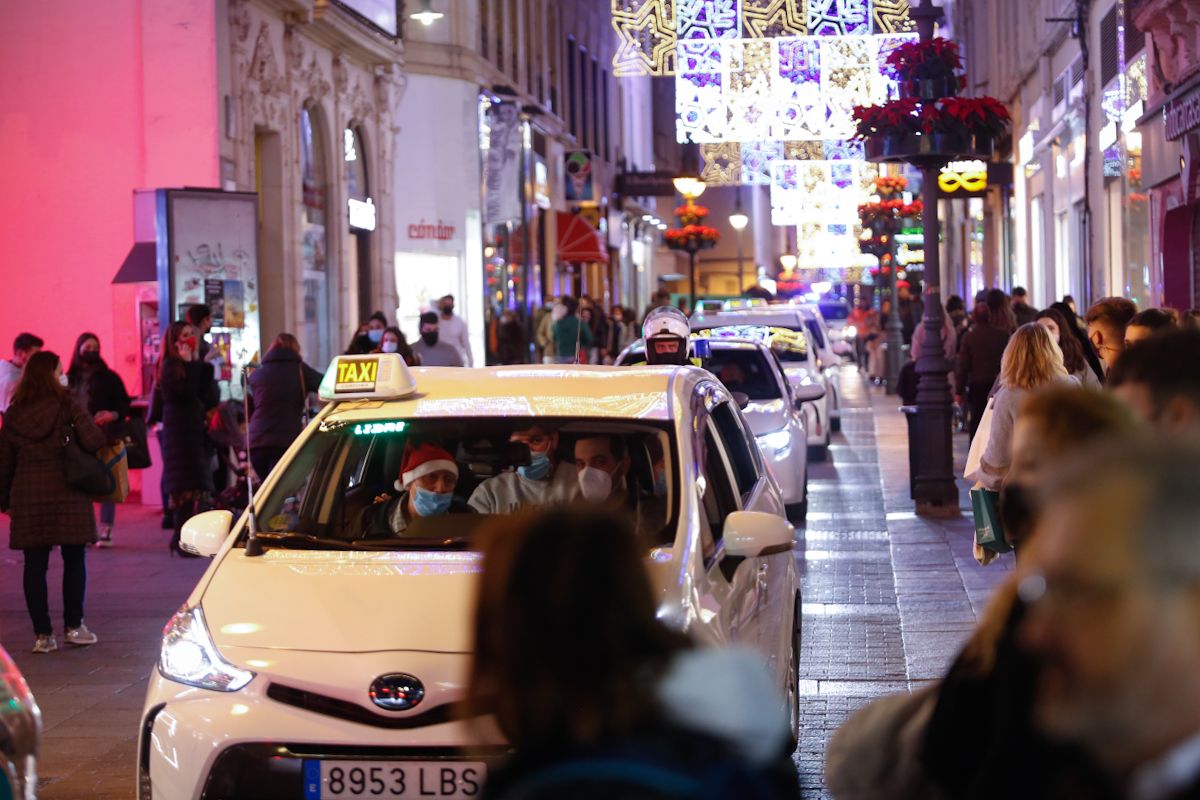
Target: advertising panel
210, 256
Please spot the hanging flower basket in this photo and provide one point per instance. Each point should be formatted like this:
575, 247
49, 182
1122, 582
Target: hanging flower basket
691, 236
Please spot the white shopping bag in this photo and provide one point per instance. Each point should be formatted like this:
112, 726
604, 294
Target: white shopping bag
979, 443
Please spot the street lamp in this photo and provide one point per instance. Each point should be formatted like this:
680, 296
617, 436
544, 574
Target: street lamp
426, 15
690, 185
788, 261
738, 221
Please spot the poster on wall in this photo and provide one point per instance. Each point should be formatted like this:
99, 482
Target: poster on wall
211, 257
502, 167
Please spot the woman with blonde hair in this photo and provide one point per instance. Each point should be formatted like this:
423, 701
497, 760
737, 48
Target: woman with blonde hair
1031, 360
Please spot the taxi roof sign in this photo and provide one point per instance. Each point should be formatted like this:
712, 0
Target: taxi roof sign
378, 376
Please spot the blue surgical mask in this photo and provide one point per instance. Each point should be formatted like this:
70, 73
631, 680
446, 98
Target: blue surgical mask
375, 335
538, 467
390, 347
430, 504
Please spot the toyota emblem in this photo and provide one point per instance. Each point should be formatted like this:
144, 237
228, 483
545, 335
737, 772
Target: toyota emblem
396, 691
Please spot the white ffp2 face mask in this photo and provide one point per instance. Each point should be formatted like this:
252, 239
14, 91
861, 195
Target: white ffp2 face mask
595, 484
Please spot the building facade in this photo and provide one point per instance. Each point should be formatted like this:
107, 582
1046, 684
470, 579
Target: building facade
511, 137
1077, 219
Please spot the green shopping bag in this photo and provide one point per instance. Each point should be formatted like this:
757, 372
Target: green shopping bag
989, 533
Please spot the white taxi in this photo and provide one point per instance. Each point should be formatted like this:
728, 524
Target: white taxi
801, 363
316, 659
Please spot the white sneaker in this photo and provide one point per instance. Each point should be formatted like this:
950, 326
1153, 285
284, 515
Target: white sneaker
81, 636
105, 539
45, 644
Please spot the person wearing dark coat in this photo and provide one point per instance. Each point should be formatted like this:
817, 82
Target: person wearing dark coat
187, 391
45, 511
102, 392
978, 363
279, 392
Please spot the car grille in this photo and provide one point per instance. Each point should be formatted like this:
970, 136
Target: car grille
352, 712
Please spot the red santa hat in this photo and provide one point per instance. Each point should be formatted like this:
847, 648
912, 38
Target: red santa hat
422, 460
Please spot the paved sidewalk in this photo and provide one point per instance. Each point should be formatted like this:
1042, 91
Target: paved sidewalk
91, 697
889, 597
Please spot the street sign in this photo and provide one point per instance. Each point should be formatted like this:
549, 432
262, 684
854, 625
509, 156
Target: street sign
646, 184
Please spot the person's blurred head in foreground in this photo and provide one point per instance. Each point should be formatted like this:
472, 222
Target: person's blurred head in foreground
568, 646
1112, 585
1159, 378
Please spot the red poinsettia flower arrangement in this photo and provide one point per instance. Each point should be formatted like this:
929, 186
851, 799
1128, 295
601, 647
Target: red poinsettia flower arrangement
692, 236
935, 58
890, 184
975, 116
689, 237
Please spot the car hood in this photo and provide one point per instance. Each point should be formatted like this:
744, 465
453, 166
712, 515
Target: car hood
765, 416
344, 601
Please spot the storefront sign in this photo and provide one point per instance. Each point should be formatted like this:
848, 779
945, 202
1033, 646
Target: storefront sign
426, 230
1182, 114
362, 214
963, 179
646, 184
579, 185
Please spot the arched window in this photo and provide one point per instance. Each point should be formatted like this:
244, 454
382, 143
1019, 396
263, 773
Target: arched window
361, 208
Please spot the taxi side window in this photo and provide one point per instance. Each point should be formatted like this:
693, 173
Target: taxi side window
717, 494
735, 437
814, 328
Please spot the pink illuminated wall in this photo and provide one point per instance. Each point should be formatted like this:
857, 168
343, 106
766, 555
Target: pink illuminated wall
97, 99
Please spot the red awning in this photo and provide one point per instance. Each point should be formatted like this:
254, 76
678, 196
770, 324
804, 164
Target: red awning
577, 240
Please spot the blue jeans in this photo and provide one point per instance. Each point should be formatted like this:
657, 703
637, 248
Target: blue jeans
108, 514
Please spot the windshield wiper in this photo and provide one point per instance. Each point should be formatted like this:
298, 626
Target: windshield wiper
306, 541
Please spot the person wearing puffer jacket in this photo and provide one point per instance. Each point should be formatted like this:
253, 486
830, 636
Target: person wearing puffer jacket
597, 696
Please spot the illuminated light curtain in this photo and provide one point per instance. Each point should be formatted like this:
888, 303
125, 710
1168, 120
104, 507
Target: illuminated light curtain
821, 198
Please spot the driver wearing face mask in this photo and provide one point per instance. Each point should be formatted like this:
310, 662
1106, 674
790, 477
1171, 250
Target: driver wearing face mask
432, 351
544, 480
428, 475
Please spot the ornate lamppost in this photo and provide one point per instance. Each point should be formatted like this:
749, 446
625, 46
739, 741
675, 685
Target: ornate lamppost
881, 221
928, 126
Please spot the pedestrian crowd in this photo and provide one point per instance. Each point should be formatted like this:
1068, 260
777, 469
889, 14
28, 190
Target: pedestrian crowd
1077, 680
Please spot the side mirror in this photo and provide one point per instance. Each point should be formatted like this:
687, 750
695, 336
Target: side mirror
741, 398
204, 533
807, 393
755, 533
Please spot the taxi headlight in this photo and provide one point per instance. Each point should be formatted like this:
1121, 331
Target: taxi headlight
777, 443
189, 656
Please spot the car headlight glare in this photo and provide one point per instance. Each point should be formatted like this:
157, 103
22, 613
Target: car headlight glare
189, 656
851, 331
777, 442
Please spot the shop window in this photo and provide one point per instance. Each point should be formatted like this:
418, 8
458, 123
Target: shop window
361, 211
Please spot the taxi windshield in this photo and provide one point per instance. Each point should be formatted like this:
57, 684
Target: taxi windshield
431, 484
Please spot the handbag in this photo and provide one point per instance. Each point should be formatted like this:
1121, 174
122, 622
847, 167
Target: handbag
137, 448
979, 443
989, 533
85, 472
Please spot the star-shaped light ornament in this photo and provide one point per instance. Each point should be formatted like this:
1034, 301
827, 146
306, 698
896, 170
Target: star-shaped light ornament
646, 37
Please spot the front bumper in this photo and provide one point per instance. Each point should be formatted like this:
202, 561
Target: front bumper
196, 743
